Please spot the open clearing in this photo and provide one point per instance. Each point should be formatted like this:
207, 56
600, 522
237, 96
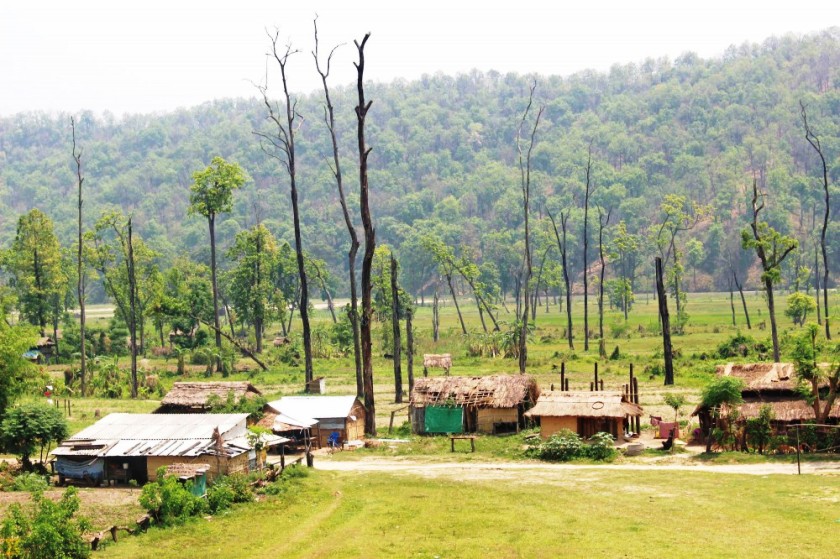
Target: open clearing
527, 512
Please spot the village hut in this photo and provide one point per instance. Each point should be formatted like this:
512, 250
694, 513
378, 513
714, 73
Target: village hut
585, 413
766, 384
195, 397
322, 415
126, 446
490, 404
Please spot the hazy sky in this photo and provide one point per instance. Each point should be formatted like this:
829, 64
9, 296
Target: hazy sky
155, 55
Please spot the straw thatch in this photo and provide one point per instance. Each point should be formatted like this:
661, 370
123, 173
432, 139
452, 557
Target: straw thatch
762, 377
584, 404
784, 411
197, 394
494, 391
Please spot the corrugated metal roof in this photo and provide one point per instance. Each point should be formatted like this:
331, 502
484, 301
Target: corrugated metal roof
316, 407
128, 434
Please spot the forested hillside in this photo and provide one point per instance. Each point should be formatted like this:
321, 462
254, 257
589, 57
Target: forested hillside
445, 166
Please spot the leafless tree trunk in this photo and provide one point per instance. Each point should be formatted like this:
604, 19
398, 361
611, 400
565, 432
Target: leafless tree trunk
370, 245
586, 249
455, 300
815, 143
817, 284
409, 347
80, 267
132, 301
666, 324
602, 223
395, 322
525, 177
732, 301
436, 314
329, 118
284, 151
561, 245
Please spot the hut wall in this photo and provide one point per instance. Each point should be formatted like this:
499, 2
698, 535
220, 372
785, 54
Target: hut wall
224, 466
488, 417
550, 425
417, 416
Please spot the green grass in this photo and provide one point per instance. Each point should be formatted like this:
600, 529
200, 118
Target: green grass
585, 513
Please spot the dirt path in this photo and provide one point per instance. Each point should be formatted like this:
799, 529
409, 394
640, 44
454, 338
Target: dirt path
506, 470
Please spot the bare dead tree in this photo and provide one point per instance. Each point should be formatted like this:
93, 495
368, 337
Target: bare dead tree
525, 178
370, 243
281, 146
587, 194
395, 323
562, 247
329, 119
81, 275
409, 346
814, 140
603, 221
668, 352
132, 303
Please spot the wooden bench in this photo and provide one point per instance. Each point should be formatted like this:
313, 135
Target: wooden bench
471, 438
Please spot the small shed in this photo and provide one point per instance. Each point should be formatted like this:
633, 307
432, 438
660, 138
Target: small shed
490, 404
585, 413
195, 473
195, 397
342, 414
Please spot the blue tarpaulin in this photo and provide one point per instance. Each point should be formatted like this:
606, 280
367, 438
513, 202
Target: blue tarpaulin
91, 470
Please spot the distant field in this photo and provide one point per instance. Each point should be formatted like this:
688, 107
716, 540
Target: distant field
582, 514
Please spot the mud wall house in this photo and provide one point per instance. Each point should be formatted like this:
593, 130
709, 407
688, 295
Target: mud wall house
584, 413
124, 446
328, 414
770, 384
490, 404
195, 397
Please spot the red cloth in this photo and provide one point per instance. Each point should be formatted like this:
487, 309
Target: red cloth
665, 430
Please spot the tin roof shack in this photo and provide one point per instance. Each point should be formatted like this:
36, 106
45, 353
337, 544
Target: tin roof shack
491, 404
342, 414
585, 413
126, 446
772, 384
195, 397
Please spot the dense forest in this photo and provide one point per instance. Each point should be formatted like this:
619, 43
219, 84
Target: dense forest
672, 147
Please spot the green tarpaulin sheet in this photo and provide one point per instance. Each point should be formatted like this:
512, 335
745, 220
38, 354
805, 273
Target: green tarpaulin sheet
444, 420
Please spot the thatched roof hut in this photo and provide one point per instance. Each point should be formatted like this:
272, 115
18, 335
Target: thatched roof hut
766, 384
585, 413
194, 397
489, 404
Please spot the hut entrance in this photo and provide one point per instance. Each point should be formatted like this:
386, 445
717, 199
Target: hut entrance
588, 426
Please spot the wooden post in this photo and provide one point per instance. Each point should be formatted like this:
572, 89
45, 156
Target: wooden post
566, 388
563, 375
636, 401
596, 376
592, 387
602, 385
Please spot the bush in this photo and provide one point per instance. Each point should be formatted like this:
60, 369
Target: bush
30, 427
45, 529
228, 490
169, 501
601, 447
563, 446
31, 482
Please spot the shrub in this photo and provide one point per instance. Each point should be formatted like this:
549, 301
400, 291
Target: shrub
45, 529
227, 490
169, 501
31, 482
30, 427
601, 447
564, 445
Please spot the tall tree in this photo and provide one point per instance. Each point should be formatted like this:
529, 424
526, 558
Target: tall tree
250, 286
525, 182
814, 140
395, 323
667, 352
34, 262
603, 221
280, 144
586, 196
81, 269
562, 246
772, 248
370, 242
625, 247
127, 267
211, 194
329, 119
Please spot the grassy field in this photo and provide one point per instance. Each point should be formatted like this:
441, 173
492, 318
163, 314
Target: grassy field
638, 340
586, 513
